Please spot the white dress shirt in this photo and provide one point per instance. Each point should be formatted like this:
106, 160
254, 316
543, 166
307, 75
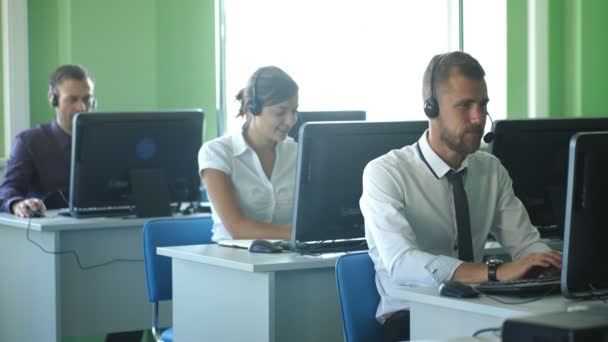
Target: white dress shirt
259, 198
410, 221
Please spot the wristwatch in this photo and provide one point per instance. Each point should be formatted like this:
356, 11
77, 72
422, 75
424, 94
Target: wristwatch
492, 268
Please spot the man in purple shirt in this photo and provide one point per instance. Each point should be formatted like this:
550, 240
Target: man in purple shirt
37, 176
38, 172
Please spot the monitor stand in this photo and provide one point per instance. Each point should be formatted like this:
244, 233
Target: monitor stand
150, 191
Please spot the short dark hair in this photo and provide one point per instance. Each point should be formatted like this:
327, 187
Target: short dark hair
69, 71
443, 63
268, 86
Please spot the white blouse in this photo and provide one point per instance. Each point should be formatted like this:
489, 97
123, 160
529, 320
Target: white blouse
261, 199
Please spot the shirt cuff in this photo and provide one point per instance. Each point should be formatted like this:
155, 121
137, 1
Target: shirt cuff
9, 203
442, 268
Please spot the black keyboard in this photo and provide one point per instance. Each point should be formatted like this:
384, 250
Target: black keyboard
96, 212
323, 247
522, 287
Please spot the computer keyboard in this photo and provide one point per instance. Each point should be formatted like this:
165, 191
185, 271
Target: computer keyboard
530, 286
96, 212
323, 247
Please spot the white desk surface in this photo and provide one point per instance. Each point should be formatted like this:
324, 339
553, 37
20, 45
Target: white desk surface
242, 259
486, 305
255, 291
54, 222
462, 317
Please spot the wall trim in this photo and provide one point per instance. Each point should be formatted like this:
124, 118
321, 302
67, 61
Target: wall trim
538, 58
15, 64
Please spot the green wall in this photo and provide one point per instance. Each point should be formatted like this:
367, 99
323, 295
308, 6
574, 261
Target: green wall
145, 54
577, 50
517, 59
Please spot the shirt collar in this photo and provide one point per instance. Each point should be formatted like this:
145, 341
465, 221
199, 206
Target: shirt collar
62, 137
239, 145
437, 166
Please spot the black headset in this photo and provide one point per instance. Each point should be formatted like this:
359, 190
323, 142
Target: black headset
255, 107
431, 106
55, 99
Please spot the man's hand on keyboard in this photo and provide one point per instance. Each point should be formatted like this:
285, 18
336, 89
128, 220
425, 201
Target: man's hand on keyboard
542, 272
521, 268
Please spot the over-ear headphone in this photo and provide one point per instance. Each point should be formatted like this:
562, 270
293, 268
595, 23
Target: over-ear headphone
431, 106
54, 100
255, 107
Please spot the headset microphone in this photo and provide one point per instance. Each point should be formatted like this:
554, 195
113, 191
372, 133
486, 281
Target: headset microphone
489, 137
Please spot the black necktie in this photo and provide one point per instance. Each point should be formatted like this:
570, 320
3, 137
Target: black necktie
463, 221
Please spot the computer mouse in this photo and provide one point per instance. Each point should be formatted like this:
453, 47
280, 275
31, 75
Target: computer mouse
264, 246
452, 288
35, 213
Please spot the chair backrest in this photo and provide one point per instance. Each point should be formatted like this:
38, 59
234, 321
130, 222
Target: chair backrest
169, 232
355, 277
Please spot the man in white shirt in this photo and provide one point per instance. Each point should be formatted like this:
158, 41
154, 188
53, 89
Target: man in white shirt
421, 227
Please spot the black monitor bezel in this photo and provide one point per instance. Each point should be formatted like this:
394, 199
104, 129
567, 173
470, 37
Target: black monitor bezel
581, 144
323, 116
508, 131
317, 131
87, 119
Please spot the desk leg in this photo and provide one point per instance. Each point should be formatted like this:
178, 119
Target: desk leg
307, 305
29, 287
109, 298
213, 303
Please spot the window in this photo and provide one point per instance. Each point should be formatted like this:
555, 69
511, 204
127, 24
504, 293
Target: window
485, 37
364, 55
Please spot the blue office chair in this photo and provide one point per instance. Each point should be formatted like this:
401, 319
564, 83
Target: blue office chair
168, 232
355, 276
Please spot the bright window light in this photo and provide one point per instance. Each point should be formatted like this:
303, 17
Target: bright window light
348, 55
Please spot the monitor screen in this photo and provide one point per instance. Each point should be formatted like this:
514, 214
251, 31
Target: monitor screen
331, 159
109, 148
535, 153
343, 115
585, 255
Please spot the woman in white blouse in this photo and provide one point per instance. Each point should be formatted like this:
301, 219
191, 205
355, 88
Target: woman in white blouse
250, 175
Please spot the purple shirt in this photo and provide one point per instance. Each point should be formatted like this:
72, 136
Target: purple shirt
39, 167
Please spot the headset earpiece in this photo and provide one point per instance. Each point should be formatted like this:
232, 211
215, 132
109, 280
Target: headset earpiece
431, 106
54, 100
255, 107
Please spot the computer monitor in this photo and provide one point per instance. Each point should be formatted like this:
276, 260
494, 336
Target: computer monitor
585, 256
331, 159
535, 153
118, 157
342, 115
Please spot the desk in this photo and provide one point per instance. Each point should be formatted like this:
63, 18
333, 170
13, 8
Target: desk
434, 317
228, 294
45, 296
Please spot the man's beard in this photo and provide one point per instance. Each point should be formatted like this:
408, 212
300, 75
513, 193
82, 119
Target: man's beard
459, 143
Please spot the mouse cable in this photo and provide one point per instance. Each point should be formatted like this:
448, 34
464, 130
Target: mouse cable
496, 331
73, 252
529, 300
